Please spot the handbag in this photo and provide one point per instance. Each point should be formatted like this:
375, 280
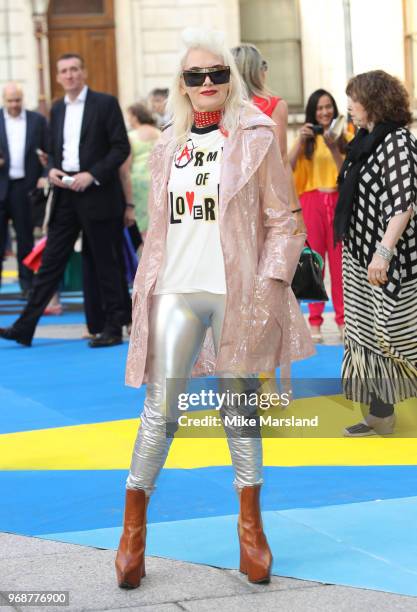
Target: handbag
308, 283
34, 259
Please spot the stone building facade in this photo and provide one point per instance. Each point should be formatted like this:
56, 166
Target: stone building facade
131, 46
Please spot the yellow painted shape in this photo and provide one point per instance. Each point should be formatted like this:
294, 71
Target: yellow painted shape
108, 445
9, 274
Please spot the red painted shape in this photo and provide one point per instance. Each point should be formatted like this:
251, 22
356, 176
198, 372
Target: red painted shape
190, 200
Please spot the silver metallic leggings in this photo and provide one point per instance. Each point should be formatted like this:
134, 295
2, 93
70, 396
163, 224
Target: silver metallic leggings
178, 324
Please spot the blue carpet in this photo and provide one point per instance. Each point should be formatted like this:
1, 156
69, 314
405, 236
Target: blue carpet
321, 521
11, 307
67, 318
8, 288
333, 544
13, 288
14, 301
66, 501
66, 383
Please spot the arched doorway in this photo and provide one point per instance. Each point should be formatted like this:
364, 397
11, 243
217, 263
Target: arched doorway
85, 27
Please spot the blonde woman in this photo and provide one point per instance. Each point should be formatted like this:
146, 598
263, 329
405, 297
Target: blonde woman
219, 257
253, 69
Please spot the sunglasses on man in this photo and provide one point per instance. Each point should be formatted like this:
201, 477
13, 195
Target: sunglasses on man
196, 76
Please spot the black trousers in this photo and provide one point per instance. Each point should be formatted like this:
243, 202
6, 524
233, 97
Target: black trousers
93, 307
68, 218
379, 408
16, 207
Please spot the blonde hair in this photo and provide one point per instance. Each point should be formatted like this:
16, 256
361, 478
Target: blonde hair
250, 64
179, 106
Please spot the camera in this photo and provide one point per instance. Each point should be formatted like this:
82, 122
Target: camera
318, 129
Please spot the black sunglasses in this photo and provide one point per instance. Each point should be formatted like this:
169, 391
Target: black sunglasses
196, 76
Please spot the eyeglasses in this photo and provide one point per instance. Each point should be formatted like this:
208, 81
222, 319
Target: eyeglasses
196, 76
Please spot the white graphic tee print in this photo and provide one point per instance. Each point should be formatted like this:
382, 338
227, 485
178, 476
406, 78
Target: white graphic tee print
194, 257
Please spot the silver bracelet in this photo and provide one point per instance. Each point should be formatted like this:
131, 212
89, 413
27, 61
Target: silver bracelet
385, 253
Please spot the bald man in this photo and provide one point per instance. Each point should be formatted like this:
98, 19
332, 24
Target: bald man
22, 133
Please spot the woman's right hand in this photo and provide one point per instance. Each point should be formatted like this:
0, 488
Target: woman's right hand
306, 132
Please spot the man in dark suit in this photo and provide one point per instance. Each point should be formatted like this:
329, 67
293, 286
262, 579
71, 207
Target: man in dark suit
22, 133
88, 144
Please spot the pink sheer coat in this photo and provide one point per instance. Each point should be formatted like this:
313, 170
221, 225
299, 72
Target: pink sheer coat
263, 326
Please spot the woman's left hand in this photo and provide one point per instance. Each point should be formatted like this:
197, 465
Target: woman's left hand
377, 271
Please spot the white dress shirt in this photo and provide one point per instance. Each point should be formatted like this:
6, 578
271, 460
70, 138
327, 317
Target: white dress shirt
16, 142
74, 112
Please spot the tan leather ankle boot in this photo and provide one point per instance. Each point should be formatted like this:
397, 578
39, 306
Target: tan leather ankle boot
255, 554
130, 558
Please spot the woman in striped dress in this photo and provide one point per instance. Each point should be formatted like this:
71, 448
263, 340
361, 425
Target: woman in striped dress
376, 218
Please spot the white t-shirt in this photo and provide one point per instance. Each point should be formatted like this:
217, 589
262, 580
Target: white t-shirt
194, 257
16, 142
74, 112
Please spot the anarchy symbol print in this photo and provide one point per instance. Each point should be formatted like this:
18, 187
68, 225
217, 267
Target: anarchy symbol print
185, 154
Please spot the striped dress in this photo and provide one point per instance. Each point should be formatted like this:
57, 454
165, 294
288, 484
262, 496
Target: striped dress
381, 322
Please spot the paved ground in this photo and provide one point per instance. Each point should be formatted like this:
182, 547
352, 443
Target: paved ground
88, 574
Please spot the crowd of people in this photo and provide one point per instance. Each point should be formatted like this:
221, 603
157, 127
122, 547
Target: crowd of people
105, 188
212, 294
